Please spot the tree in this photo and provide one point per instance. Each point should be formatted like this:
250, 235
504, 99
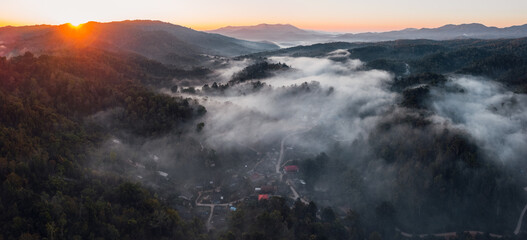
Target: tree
200, 126
328, 215
375, 236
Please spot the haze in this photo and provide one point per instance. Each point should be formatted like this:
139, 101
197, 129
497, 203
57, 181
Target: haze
134, 120
332, 15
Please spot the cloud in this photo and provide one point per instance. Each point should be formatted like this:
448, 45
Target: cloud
494, 116
231, 67
346, 102
320, 93
338, 107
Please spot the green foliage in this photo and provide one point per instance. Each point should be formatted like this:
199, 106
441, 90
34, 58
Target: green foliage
439, 172
500, 59
47, 188
200, 126
258, 70
275, 219
415, 97
428, 78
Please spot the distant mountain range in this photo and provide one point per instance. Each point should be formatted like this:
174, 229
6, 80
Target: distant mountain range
174, 44
283, 34
291, 35
447, 32
164, 42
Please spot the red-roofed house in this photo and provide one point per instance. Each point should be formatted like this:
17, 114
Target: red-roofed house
291, 168
263, 196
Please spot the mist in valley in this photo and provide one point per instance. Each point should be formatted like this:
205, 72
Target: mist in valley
170, 120
358, 146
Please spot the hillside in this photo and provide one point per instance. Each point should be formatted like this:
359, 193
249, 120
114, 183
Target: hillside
446, 32
100, 141
288, 35
284, 34
51, 185
502, 59
160, 41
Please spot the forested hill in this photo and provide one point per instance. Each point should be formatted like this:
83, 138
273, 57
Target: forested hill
160, 41
503, 60
48, 189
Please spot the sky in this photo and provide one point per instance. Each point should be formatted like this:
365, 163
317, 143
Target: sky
327, 15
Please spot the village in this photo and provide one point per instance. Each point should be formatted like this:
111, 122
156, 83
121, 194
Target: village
269, 176
260, 176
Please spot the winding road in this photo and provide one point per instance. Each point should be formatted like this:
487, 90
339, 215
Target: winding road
520, 221
279, 163
278, 166
212, 205
277, 169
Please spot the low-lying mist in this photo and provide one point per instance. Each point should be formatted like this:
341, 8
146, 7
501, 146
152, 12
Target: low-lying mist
347, 122
347, 101
494, 116
317, 93
397, 154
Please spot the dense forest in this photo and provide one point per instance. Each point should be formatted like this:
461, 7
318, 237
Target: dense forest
502, 59
82, 133
245, 81
48, 189
278, 218
441, 180
439, 177
258, 70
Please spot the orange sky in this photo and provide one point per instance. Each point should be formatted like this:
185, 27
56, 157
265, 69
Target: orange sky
328, 15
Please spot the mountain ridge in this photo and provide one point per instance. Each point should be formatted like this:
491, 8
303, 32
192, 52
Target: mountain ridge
445, 32
261, 25
285, 35
161, 41
277, 33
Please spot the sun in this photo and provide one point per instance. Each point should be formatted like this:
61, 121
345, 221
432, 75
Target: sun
75, 33
75, 24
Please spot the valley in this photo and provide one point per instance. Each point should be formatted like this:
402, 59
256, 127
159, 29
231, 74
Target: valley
179, 134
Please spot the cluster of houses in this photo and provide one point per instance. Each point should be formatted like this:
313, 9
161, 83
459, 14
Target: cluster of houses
266, 191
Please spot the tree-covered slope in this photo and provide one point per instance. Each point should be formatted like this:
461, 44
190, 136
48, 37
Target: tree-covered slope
48, 188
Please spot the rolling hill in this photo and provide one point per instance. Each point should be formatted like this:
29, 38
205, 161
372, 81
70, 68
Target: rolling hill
157, 40
446, 32
288, 35
282, 34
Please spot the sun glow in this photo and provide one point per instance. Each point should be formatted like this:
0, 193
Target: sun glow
75, 25
76, 35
